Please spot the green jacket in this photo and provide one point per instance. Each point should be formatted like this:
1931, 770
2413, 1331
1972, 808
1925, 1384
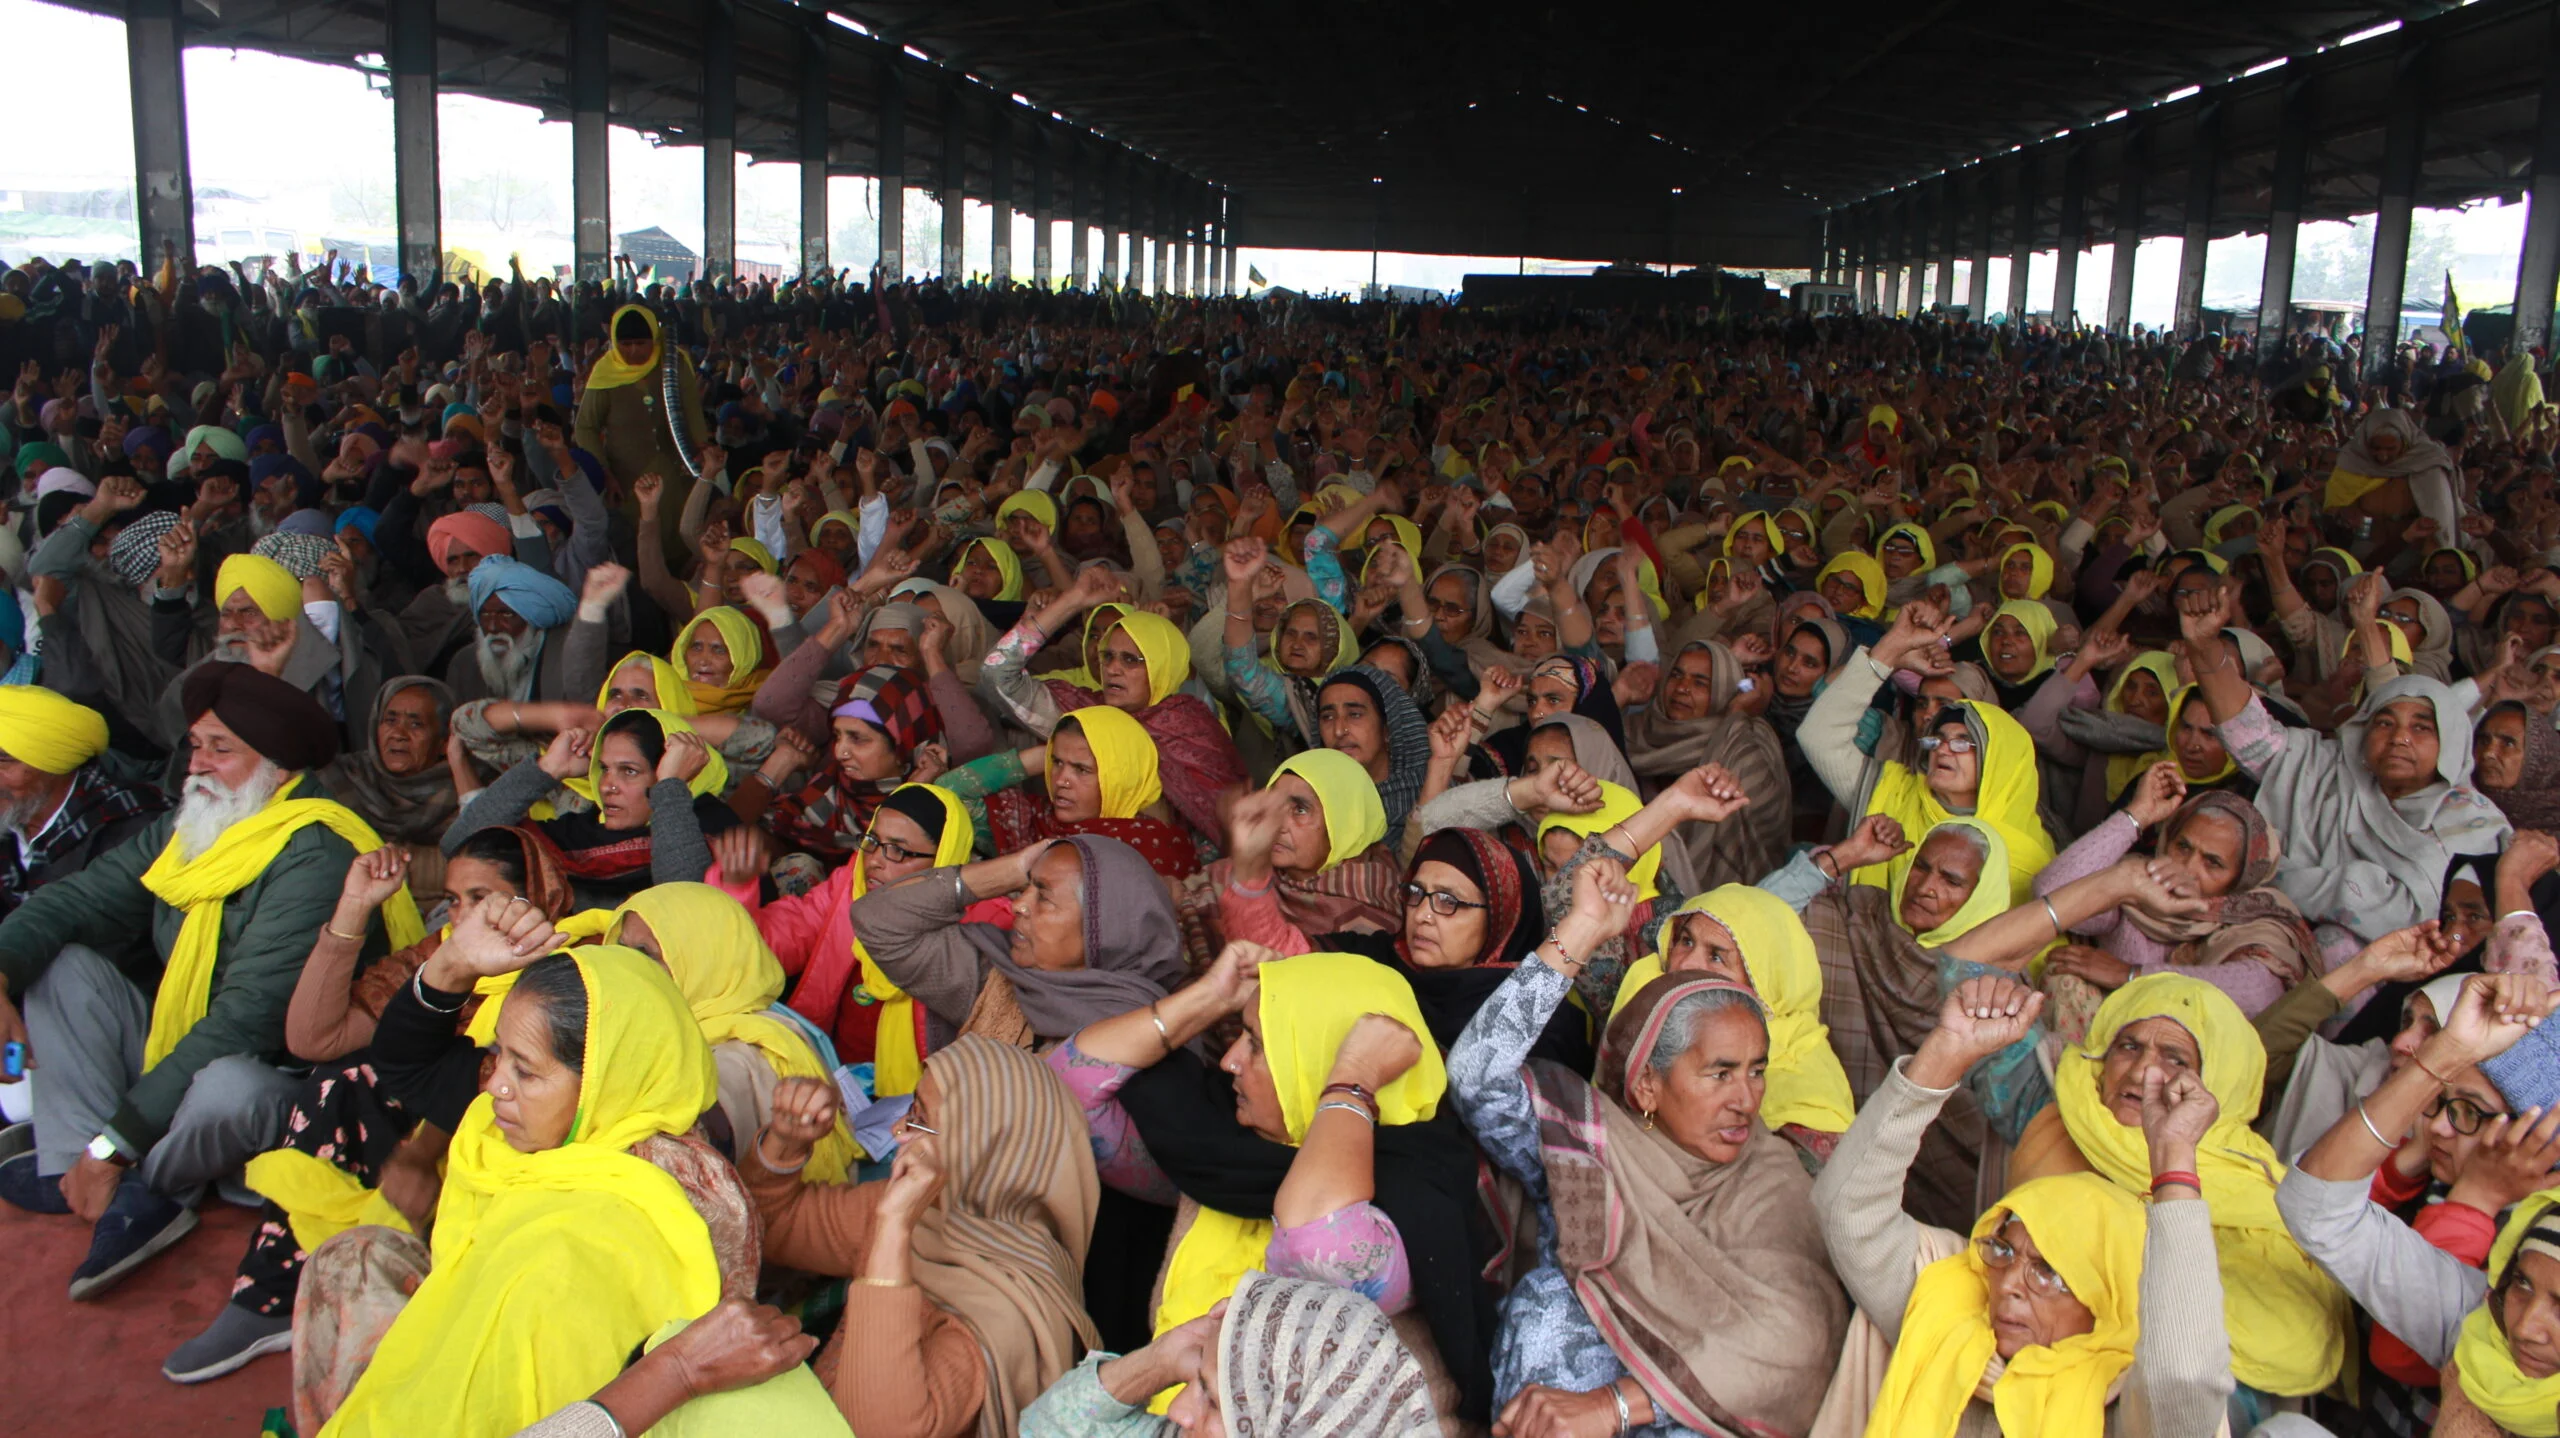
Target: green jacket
267, 932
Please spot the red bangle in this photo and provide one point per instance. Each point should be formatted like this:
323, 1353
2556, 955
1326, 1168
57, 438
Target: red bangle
2421, 1065
2162, 1180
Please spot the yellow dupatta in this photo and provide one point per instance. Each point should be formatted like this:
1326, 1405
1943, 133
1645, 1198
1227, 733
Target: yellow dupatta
1617, 806
1354, 816
1867, 570
2092, 1233
1008, 566
611, 371
1308, 1005
1806, 1084
715, 770
732, 981
2288, 1320
198, 887
1986, 902
2039, 569
1124, 759
746, 661
551, 1267
2123, 769
2031, 616
2004, 799
2481, 1355
2178, 703
897, 1056
674, 695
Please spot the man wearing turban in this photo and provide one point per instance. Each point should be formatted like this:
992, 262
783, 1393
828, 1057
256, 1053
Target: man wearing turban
63, 806
531, 639
161, 1077
266, 618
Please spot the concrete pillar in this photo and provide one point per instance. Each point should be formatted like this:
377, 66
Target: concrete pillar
2204, 159
1915, 250
955, 183
590, 96
719, 139
2539, 266
1000, 191
2073, 235
813, 152
416, 189
1948, 242
1112, 180
1869, 274
2284, 218
2022, 238
1044, 203
2128, 236
892, 146
164, 193
1986, 204
2403, 150
1080, 210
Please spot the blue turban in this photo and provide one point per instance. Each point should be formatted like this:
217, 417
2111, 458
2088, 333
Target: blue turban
307, 489
263, 434
313, 522
145, 436
536, 597
360, 519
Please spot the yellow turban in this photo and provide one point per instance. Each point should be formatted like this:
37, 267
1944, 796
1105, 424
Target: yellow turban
43, 730
270, 585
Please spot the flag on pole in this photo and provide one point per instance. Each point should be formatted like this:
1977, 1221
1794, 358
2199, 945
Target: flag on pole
2452, 314
1255, 275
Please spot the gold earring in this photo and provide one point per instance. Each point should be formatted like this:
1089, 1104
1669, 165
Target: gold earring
1648, 1120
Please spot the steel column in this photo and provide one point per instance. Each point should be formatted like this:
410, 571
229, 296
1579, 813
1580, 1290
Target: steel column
2072, 235
2284, 218
1044, 203
412, 53
1947, 241
2128, 239
1114, 202
1000, 191
2204, 158
955, 184
893, 170
2403, 150
1915, 251
1986, 204
813, 151
719, 139
164, 192
1080, 211
590, 96
2539, 266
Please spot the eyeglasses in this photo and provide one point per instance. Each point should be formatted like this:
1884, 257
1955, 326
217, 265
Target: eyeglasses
2465, 1115
2401, 616
1446, 609
1953, 744
890, 849
1998, 1253
1443, 903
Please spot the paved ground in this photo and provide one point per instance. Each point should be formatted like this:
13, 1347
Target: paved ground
94, 1368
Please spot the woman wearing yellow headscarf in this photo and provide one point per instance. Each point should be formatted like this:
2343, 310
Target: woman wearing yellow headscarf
1306, 856
721, 655
988, 570
836, 985
1854, 582
622, 417
2137, 700
2288, 1319
2017, 647
1907, 548
2025, 572
733, 983
2002, 784
557, 1249
626, 842
1763, 945
1103, 777
2485, 1373
1038, 511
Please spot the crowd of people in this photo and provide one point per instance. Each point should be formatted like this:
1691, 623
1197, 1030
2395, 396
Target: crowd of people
823, 859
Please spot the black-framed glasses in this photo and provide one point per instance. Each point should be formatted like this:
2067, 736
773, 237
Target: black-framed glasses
2464, 1114
1999, 1253
1443, 903
1952, 743
891, 849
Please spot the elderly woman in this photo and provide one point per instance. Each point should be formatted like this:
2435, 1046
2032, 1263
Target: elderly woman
1307, 855
1093, 934
881, 719
652, 779
2250, 941
968, 1258
1101, 771
1283, 1355
1142, 664
1708, 712
1368, 1187
577, 1218
2515, 763
2387, 795
1975, 761
1681, 1284
2071, 1310
721, 654
397, 778
2390, 467
836, 985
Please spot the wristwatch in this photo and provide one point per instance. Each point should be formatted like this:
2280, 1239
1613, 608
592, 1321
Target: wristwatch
104, 1150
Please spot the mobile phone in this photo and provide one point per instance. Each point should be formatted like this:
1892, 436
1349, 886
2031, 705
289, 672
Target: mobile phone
13, 1060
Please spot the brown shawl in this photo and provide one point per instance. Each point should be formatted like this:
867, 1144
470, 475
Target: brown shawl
1880, 998
1709, 1280
2255, 921
1005, 1247
1746, 847
1361, 894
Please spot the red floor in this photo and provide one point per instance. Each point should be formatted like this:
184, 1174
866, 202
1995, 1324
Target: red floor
94, 1368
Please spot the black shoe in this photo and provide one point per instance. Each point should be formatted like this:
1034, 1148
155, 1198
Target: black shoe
235, 1337
22, 1187
138, 1223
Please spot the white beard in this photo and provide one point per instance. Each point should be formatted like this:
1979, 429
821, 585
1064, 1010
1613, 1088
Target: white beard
506, 664
458, 590
209, 807
259, 524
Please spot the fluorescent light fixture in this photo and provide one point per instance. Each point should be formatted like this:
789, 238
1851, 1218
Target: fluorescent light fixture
849, 23
2181, 93
2264, 66
2115, 115
919, 54
2369, 32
